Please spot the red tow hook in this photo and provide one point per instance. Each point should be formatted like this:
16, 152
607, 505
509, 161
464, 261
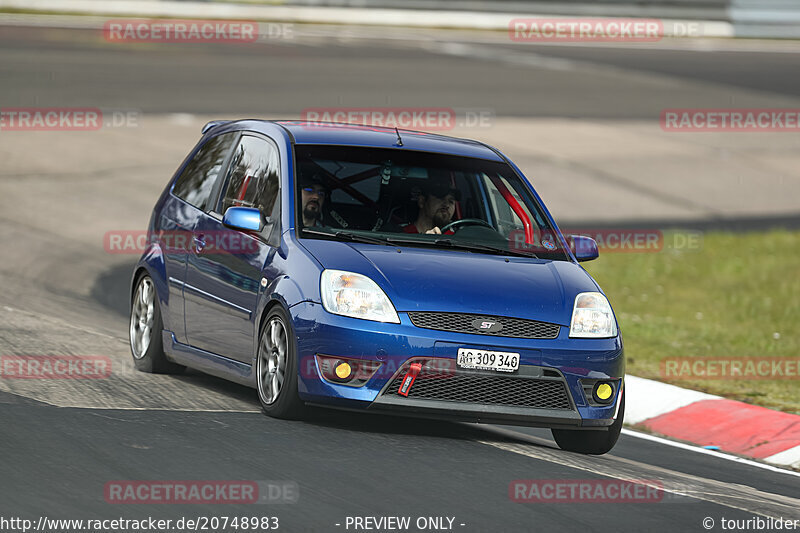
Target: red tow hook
408, 380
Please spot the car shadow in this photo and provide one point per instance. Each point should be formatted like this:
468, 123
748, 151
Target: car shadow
391, 424
219, 385
111, 289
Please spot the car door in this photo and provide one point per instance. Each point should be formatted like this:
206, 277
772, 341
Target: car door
189, 199
226, 266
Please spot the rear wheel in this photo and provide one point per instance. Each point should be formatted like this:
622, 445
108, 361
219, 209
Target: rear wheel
276, 368
145, 331
589, 441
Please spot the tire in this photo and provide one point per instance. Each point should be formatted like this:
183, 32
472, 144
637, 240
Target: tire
276, 368
589, 441
145, 329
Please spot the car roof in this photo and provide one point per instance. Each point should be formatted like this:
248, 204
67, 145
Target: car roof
337, 133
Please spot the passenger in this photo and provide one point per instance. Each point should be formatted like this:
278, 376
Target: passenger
437, 203
313, 191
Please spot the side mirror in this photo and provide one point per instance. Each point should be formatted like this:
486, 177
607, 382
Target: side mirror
584, 248
243, 218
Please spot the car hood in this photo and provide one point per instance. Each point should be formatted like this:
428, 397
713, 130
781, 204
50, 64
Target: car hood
425, 279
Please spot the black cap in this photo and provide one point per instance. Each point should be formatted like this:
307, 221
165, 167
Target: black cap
440, 188
313, 179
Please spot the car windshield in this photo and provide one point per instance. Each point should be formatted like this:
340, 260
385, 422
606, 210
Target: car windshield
407, 198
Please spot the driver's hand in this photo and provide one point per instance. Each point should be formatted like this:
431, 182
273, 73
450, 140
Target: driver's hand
434, 231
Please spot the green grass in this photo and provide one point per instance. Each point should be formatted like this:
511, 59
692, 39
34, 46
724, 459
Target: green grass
737, 295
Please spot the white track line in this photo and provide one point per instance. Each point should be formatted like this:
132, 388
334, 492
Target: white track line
704, 451
653, 438
732, 495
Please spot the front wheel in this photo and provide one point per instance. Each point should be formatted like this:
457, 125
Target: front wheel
589, 441
276, 368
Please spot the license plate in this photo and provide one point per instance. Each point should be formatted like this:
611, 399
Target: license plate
484, 360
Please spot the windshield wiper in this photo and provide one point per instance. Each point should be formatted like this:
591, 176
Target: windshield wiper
346, 235
484, 247
450, 243
462, 246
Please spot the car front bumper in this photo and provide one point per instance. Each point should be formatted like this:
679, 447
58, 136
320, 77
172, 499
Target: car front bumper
565, 360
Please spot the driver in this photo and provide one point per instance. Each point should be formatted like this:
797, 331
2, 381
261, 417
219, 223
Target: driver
313, 191
437, 203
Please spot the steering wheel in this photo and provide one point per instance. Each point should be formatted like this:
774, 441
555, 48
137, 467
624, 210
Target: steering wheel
466, 222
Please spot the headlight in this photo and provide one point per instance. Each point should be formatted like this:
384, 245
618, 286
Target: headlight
351, 294
592, 317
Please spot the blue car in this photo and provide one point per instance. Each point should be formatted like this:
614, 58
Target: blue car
381, 270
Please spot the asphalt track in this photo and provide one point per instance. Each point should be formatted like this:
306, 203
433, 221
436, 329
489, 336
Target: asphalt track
61, 441
389, 67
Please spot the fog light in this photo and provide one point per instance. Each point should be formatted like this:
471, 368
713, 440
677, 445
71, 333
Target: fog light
343, 370
346, 371
603, 392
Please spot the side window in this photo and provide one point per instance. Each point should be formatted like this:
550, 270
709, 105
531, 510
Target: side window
196, 183
253, 179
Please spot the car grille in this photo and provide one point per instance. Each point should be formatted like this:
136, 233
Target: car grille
485, 389
462, 323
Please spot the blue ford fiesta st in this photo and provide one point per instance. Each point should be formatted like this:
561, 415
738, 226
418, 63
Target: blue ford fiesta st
377, 269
